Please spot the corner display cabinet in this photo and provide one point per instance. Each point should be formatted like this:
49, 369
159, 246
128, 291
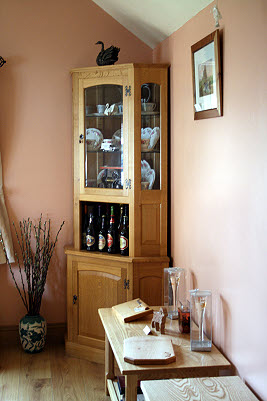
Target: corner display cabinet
120, 164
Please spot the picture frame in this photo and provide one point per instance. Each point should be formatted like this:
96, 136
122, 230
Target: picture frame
206, 74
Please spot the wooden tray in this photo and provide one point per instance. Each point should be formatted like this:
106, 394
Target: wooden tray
132, 310
148, 351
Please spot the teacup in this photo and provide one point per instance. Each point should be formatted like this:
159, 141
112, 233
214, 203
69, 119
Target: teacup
101, 108
148, 107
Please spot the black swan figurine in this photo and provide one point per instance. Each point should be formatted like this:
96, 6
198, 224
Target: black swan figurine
108, 56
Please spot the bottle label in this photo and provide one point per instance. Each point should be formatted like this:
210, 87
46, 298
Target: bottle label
101, 242
110, 240
90, 240
123, 243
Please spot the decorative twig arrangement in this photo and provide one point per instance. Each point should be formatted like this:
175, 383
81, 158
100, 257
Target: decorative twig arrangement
35, 262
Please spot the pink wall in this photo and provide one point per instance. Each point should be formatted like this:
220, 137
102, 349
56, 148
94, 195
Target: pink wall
41, 42
218, 181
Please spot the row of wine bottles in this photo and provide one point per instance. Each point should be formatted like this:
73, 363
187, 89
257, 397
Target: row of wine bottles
105, 228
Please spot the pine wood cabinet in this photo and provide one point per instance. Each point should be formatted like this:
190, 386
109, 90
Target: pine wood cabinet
120, 157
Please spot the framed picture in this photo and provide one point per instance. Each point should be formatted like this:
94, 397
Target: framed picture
206, 69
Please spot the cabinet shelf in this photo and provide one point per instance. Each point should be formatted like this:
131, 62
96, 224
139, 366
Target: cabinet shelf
100, 151
102, 115
149, 113
151, 152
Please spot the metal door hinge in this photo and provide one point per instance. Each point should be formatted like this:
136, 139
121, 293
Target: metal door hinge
126, 284
128, 91
81, 138
128, 183
74, 299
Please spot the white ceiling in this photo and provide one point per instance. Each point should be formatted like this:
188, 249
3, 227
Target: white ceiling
152, 21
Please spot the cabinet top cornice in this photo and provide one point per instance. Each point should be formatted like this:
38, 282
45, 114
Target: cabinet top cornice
117, 67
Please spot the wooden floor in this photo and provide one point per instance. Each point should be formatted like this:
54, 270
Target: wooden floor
49, 375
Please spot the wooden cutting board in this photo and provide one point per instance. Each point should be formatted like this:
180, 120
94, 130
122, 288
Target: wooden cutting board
148, 351
132, 310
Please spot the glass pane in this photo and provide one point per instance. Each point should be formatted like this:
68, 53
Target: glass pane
150, 136
103, 111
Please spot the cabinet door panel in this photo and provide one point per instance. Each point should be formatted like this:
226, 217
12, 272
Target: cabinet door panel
148, 282
95, 289
150, 289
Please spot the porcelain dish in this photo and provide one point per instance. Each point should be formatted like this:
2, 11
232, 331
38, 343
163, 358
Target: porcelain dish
94, 138
117, 139
147, 174
149, 138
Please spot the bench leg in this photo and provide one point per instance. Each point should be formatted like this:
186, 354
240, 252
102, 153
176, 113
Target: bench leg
109, 363
131, 387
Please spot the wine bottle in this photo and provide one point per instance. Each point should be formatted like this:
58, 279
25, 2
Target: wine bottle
84, 226
124, 237
119, 227
102, 236
98, 219
90, 235
126, 213
120, 220
111, 234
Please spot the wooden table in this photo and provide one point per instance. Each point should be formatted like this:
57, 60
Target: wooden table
229, 388
188, 363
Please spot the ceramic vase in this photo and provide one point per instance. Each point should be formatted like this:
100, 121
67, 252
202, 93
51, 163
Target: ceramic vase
32, 331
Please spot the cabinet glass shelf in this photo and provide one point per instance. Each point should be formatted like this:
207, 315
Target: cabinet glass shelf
151, 151
97, 115
149, 113
143, 114
100, 151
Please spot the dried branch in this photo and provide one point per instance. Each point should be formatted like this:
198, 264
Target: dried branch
35, 262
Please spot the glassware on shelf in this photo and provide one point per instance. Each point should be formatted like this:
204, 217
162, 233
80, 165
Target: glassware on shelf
200, 320
173, 277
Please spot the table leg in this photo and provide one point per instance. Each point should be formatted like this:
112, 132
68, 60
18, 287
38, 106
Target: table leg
131, 387
109, 363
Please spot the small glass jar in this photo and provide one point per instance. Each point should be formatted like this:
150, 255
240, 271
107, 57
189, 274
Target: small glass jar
173, 279
200, 320
184, 317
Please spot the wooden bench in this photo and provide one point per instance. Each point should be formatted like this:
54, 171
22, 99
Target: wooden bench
227, 388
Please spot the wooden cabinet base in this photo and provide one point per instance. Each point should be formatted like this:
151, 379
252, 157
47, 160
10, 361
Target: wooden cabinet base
84, 352
96, 280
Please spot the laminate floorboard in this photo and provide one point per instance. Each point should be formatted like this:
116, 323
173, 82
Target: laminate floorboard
35, 377
10, 363
48, 376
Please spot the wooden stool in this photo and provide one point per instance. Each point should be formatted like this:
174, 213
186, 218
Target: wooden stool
227, 388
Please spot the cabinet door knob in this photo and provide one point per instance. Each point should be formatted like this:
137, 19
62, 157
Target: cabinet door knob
81, 138
74, 299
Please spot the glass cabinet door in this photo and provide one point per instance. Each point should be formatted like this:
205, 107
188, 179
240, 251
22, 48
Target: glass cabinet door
103, 134
150, 136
